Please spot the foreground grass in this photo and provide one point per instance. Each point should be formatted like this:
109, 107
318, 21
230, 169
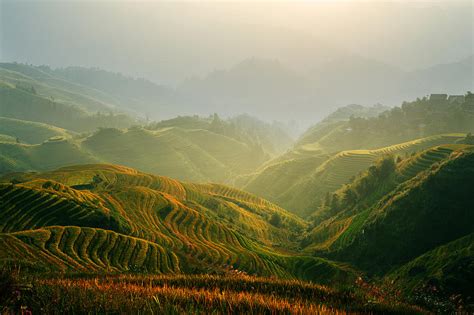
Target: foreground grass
195, 294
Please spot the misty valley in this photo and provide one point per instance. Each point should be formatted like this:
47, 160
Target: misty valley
258, 188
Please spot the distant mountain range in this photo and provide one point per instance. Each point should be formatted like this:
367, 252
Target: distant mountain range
264, 87
268, 88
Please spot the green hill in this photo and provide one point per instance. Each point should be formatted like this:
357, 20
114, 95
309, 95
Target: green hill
384, 218
412, 120
24, 104
49, 85
448, 268
138, 95
31, 132
431, 209
104, 217
271, 137
50, 154
302, 182
186, 153
348, 141
61, 248
409, 222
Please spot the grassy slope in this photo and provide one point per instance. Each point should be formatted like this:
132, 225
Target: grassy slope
194, 155
301, 181
7, 138
188, 154
22, 104
197, 294
30, 132
61, 90
332, 224
424, 212
51, 154
206, 226
448, 267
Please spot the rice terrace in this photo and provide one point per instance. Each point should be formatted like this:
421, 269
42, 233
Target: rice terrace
236, 157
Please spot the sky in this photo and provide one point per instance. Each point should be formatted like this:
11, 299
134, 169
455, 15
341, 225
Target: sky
168, 42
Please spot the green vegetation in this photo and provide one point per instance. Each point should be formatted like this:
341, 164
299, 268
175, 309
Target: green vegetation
39, 105
49, 85
445, 271
379, 203
30, 132
348, 141
301, 182
20, 104
429, 210
53, 153
270, 138
187, 148
110, 218
412, 120
201, 294
407, 221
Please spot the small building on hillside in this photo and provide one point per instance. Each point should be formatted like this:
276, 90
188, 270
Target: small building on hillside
438, 97
458, 99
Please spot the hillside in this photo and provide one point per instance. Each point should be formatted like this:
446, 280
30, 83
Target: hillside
273, 138
112, 218
50, 154
137, 95
390, 216
339, 117
349, 140
190, 154
47, 84
187, 148
31, 132
427, 211
195, 155
300, 183
24, 103
447, 268
420, 118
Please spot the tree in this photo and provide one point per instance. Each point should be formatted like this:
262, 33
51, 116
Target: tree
386, 166
97, 179
335, 202
350, 197
275, 220
327, 199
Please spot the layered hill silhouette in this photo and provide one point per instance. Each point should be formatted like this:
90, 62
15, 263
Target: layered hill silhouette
402, 214
50, 118
381, 193
105, 218
329, 154
196, 150
21, 99
113, 218
259, 86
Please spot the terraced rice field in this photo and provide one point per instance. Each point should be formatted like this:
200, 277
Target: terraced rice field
340, 168
75, 214
303, 191
71, 248
426, 159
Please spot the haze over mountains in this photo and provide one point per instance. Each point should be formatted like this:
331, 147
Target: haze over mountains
367, 183
304, 62
236, 157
